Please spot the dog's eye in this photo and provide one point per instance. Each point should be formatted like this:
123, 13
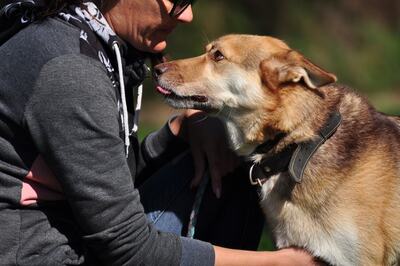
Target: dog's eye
218, 56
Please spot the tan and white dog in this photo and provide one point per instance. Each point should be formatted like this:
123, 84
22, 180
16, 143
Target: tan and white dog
342, 202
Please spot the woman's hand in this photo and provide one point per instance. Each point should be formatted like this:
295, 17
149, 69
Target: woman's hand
207, 138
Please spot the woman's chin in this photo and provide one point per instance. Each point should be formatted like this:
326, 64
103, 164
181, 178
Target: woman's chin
158, 47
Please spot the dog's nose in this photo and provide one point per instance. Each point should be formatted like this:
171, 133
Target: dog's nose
159, 70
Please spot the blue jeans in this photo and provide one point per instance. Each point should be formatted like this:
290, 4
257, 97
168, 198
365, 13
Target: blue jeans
234, 221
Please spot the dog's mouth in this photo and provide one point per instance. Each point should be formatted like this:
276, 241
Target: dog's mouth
167, 92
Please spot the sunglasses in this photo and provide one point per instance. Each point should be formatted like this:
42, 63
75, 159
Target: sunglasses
179, 7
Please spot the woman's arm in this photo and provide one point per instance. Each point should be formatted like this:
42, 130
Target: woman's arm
289, 257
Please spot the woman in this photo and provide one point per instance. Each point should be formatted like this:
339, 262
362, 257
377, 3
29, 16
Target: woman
68, 146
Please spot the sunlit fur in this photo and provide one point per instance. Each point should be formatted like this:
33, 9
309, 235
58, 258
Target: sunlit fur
346, 210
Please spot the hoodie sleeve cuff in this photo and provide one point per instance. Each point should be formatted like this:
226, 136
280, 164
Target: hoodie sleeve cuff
163, 142
196, 253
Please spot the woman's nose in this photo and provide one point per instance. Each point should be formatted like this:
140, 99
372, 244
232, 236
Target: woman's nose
186, 16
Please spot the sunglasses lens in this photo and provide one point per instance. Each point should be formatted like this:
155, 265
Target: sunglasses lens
180, 6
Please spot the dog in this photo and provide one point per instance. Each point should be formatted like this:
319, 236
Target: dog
326, 162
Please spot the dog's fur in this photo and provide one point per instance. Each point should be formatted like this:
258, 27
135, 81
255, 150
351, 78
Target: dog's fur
347, 208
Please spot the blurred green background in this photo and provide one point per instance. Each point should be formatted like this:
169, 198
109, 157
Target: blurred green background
358, 40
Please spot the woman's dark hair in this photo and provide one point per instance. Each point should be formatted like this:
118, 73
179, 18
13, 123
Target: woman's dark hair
11, 12
53, 7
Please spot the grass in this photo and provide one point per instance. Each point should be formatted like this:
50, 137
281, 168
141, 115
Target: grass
266, 242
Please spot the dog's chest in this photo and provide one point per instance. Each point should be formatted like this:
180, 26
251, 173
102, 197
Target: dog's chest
293, 225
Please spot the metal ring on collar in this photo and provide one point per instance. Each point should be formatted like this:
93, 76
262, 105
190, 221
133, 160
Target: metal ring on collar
254, 183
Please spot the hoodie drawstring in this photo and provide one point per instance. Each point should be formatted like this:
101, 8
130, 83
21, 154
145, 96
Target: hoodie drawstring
137, 108
123, 100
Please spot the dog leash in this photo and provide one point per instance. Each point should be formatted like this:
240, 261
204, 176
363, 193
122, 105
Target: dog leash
196, 206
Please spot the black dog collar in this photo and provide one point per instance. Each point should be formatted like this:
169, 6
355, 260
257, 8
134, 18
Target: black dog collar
293, 158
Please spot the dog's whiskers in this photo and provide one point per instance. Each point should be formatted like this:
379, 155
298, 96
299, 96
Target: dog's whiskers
221, 111
229, 114
205, 36
204, 118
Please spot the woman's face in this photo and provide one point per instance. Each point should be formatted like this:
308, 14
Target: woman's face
145, 24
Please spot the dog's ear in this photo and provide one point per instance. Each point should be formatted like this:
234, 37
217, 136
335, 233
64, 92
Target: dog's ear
292, 67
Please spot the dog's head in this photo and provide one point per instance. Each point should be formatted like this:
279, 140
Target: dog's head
239, 75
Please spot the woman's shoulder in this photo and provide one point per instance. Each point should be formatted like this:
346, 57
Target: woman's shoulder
34, 46
48, 38
49, 46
